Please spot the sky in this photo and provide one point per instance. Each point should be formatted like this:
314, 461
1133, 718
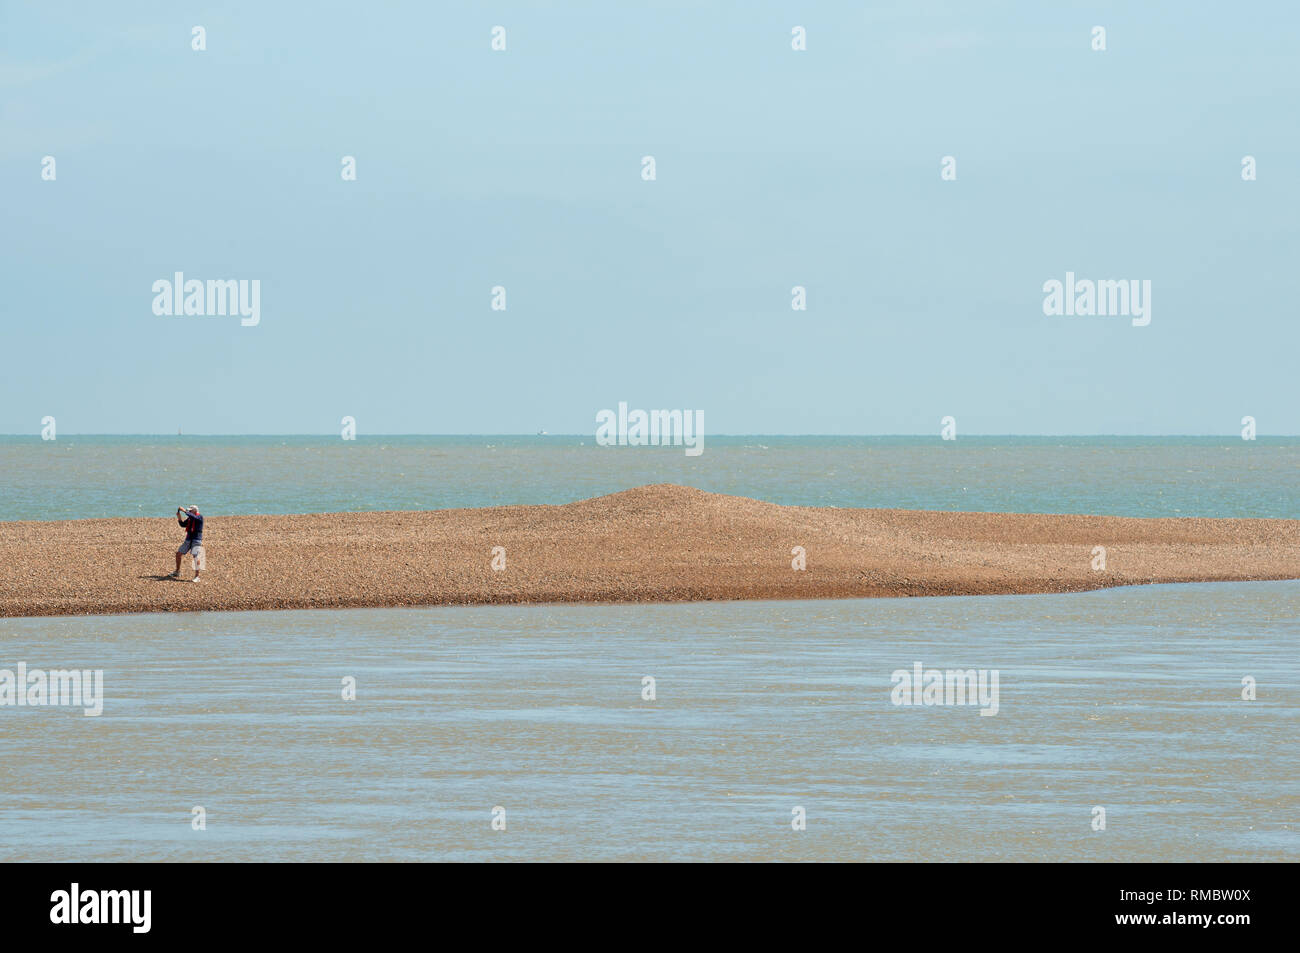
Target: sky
774, 168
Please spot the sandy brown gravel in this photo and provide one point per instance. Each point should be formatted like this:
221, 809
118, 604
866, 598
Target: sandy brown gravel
652, 544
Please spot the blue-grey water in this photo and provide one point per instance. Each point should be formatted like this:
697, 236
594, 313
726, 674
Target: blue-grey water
1127, 699
76, 476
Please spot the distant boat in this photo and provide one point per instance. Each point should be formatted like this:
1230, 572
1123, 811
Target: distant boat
541, 433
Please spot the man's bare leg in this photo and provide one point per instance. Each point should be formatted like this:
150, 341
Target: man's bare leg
177, 573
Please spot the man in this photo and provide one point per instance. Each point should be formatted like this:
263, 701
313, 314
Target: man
192, 523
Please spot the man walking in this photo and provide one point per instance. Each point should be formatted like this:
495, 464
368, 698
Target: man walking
192, 523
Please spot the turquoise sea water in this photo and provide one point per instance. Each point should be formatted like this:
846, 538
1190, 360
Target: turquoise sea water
77, 476
1126, 699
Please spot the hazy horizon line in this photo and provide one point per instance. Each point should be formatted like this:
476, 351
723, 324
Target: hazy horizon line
335, 436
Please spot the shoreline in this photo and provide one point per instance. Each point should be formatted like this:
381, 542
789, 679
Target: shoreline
653, 544
500, 604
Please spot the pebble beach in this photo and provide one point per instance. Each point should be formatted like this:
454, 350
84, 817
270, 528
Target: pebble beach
662, 543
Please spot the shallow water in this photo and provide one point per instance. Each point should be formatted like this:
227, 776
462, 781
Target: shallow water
1127, 699
76, 477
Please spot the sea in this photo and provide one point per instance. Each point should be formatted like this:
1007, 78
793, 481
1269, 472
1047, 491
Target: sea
1151, 723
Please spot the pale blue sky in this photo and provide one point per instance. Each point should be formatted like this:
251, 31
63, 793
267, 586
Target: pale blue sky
775, 168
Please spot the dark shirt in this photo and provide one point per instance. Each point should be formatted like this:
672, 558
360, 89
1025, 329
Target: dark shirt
193, 527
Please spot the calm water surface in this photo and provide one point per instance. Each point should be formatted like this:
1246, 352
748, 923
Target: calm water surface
76, 476
1127, 699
